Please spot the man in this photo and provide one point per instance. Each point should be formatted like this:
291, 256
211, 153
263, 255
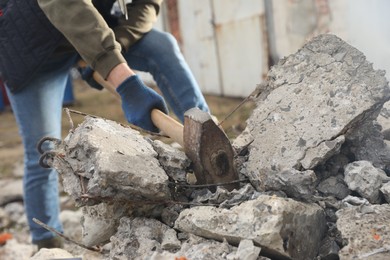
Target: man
38, 44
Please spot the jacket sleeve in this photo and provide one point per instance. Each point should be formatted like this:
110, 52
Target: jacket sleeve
84, 27
142, 14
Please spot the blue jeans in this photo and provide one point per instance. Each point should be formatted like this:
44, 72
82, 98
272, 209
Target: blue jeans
158, 53
38, 109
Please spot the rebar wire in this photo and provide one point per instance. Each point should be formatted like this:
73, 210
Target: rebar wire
84, 197
70, 120
252, 95
208, 185
92, 248
127, 126
145, 201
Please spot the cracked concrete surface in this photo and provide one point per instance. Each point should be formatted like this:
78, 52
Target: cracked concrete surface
313, 102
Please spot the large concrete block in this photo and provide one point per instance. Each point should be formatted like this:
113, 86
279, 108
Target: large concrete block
277, 225
313, 101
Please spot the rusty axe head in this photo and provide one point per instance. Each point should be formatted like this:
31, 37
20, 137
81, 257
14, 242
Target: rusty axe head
210, 150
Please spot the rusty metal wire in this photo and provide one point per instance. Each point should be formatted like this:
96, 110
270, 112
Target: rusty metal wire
127, 126
201, 186
45, 139
92, 248
144, 201
251, 96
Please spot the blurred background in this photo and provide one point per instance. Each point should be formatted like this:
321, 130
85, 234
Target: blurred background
230, 44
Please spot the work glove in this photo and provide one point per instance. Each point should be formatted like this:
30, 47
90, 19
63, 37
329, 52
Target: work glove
87, 75
138, 101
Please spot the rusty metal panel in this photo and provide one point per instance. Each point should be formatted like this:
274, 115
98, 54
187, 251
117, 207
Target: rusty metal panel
236, 10
199, 46
224, 44
239, 30
242, 56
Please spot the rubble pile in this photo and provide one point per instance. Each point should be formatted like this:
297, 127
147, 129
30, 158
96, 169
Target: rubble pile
313, 160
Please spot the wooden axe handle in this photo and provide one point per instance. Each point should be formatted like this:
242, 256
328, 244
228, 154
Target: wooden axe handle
168, 125
165, 123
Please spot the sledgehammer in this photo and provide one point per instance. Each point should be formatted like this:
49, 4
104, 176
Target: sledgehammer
205, 144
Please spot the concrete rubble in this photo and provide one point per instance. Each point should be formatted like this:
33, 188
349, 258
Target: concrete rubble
316, 165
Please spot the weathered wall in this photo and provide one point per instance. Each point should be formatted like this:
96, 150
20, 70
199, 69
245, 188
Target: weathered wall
228, 43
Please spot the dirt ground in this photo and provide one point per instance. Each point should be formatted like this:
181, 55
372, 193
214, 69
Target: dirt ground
103, 104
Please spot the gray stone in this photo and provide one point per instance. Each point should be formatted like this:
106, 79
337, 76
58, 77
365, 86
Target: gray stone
367, 231
15, 211
5, 220
11, 190
114, 162
368, 144
199, 249
329, 249
15, 250
334, 186
170, 241
246, 251
174, 161
53, 253
275, 224
296, 184
162, 256
223, 197
169, 216
365, 179
137, 238
100, 222
311, 102
18, 169
71, 222
322, 152
386, 191
354, 201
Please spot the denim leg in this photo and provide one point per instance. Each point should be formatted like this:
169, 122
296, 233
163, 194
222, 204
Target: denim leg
37, 109
158, 53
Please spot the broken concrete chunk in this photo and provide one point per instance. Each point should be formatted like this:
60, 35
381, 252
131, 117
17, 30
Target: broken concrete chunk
365, 179
329, 249
10, 190
223, 197
334, 186
170, 241
354, 201
137, 238
199, 249
174, 161
386, 191
113, 161
275, 224
312, 98
247, 250
325, 149
296, 184
99, 222
367, 230
368, 144
52, 253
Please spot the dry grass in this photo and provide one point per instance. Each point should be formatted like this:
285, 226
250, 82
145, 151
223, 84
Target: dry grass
103, 104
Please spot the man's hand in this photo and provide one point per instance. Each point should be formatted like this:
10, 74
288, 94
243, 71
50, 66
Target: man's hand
138, 101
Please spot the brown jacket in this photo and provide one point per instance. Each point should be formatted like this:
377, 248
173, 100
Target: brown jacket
90, 34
